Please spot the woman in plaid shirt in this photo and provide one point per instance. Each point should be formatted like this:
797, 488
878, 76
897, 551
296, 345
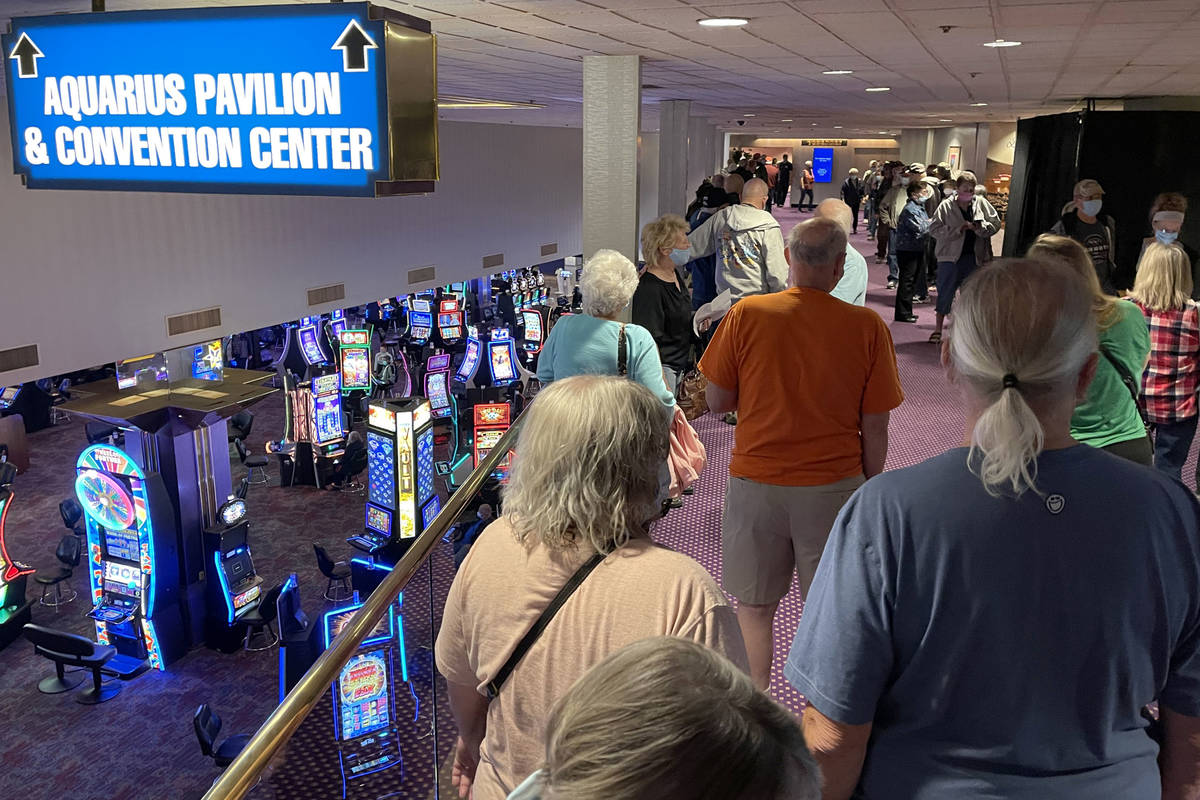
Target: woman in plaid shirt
1163, 290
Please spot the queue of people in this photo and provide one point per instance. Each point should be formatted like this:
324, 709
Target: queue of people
953, 643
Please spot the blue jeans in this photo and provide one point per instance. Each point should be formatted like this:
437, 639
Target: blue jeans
950, 276
1172, 441
869, 216
893, 261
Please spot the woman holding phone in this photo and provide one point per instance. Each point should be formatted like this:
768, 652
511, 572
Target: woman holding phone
963, 225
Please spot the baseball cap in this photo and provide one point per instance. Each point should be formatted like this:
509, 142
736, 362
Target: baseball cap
1088, 187
916, 166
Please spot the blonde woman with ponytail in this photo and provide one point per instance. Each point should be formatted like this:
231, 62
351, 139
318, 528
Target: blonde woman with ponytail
1109, 416
990, 623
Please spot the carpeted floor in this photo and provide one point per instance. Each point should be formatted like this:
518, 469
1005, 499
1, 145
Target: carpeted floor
141, 744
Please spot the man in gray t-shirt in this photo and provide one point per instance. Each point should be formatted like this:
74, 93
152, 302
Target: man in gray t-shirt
1001, 647
1084, 223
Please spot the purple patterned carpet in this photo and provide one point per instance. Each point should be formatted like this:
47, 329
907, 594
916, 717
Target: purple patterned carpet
141, 744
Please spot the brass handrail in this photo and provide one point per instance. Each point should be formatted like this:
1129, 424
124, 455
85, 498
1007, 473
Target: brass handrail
242, 775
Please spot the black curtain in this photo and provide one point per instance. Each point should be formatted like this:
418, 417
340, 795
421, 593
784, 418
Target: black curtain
1133, 154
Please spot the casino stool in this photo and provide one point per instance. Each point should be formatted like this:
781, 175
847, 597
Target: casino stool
252, 462
68, 649
240, 425
102, 432
72, 516
260, 618
354, 466
67, 553
61, 395
337, 572
208, 727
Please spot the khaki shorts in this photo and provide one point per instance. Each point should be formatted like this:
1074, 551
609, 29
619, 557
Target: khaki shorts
767, 529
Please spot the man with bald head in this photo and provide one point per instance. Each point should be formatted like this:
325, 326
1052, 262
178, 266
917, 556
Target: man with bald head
813, 380
748, 244
852, 288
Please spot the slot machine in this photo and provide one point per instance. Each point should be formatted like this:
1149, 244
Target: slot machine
314, 436
364, 698
469, 366
328, 434
234, 588
437, 385
492, 420
15, 611
450, 322
420, 322
354, 358
401, 497
337, 324
133, 559
502, 357
28, 400
533, 336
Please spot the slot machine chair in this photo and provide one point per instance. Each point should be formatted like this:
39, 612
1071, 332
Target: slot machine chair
337, 572
259, 620
60, 395
72, 516
208, 727
240, 425
69, 650
102, 432
68, 552
251, 463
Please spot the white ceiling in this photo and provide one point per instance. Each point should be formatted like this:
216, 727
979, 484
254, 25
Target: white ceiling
532, 50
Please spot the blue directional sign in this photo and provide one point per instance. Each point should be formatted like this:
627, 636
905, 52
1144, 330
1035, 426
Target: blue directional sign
262, 99
822, 164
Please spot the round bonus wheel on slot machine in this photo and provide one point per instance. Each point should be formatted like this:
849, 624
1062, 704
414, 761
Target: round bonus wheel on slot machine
105, 500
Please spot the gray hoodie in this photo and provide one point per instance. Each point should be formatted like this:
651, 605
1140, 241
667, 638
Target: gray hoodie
749, 248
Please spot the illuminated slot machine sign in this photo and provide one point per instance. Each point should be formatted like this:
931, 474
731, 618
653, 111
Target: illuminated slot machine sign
327, 408
354, 351
420, 321
7, 395
309, 346
492, 420
502, 357
131, 578
208, 361
364, 703
399, 467
470, 362
532, 321
437, 384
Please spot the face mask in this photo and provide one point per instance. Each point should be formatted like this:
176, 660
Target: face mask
1091, 207
681, 257
1166, 237
905, 181
964, 197
925, 195
947, 192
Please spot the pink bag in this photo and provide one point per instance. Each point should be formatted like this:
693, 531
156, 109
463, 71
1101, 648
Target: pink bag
687, 457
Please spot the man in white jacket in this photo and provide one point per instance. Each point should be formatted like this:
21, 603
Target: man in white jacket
748, 244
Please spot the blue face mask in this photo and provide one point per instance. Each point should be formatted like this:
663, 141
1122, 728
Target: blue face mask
1166, 237
681, 257
1091, 207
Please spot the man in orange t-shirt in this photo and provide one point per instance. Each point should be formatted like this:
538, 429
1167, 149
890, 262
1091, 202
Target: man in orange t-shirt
814, 381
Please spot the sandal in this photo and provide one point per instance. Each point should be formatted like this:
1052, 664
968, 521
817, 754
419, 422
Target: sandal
935, 337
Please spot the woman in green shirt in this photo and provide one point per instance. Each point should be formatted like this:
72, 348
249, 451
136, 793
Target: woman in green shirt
1108, 417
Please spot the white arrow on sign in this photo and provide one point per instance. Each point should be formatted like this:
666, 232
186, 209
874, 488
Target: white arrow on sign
26, 54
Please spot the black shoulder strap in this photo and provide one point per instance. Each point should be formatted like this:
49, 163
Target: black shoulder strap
568, 589
622, 353
1132, 385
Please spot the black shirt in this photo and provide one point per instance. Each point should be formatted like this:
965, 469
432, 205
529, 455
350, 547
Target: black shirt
666, 311
969, 239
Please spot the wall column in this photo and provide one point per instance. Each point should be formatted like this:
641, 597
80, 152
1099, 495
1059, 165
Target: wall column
612, 115
673, 156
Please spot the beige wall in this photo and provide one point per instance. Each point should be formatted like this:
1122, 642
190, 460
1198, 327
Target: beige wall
1003, 142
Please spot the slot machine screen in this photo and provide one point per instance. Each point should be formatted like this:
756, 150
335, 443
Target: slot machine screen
438, 362
486, 440
381, 469
450, 325
8, 395
208, 361
470, 361
438, 392
356, 368
502, 366
533, 326
122, 544
328, 415
237, 565
123, 578
420, 325
309, 345
379, 520
363, 694
430, 510
424, 464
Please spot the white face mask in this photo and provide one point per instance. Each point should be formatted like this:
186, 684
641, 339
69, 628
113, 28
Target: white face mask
905, 181
948, 192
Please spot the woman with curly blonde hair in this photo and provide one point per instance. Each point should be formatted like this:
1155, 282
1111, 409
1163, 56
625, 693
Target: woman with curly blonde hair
583, 489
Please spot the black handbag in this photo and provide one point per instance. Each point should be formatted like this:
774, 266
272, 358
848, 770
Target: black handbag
1132, 385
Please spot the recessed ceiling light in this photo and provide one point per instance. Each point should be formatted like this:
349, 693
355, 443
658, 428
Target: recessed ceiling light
945, 120
723, 22
747, 115
837, 127
1001, 43
785, 120
878, 89
978, 105
883, 133
814, 124
838, 72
